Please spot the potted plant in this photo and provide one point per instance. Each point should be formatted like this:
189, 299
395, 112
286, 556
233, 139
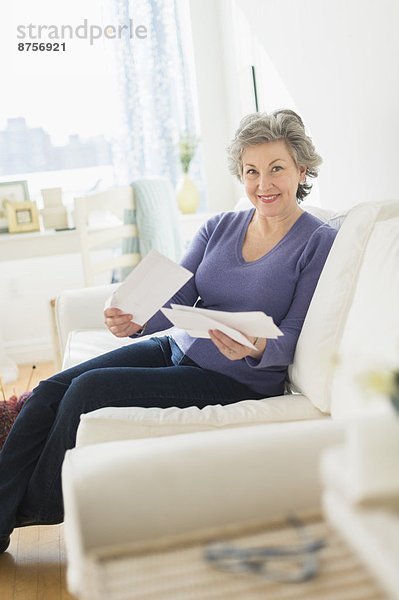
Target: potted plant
187, 193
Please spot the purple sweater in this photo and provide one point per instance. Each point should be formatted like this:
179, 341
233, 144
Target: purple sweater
281, 284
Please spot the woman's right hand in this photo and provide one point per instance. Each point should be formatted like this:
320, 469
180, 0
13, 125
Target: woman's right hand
120, 323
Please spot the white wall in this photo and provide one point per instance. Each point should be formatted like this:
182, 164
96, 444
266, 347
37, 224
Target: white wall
25, 293
335, 63
213, 103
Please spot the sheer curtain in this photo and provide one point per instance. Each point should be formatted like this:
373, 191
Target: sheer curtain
155, 80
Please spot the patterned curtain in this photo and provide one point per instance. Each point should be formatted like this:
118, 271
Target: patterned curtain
156, 90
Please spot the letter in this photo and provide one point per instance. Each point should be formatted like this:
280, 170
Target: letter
120, 28
21, 32
93, 29
65, 28
53, 32
30, 29
79, 27
108, 30
141, 29
40, 28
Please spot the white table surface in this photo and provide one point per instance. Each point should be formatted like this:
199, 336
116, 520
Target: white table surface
19, 246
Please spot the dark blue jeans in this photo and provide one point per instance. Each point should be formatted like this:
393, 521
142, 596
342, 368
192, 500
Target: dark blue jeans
151, 373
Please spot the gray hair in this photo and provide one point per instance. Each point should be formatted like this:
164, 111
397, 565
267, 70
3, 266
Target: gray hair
258, 128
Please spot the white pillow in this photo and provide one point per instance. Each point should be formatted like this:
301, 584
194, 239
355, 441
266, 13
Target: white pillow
324, 214
316, 353
371, 337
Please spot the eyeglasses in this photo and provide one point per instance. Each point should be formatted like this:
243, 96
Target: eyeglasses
286, 564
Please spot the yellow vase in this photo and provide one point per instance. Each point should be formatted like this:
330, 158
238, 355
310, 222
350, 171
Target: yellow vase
187, 194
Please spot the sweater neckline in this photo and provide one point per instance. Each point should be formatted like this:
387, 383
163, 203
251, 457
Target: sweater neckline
265, 256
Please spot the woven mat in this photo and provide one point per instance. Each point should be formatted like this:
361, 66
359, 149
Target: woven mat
182, 574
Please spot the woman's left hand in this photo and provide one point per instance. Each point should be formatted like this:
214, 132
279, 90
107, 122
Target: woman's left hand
232, 349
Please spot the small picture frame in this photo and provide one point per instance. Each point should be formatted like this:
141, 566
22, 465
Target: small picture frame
22, 217
11, 191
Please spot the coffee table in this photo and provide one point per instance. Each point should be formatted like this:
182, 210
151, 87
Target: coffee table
178, 571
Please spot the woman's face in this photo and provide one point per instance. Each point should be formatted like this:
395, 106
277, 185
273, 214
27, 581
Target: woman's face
271, 178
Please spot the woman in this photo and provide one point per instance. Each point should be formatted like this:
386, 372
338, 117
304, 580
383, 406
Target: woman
268, 258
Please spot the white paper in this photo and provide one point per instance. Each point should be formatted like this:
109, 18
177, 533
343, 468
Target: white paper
199, 325
237, 325
148, 286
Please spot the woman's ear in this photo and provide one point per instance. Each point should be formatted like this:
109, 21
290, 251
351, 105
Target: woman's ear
302, 173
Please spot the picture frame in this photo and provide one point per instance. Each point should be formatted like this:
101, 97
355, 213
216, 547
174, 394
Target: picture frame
11, 191
22, 217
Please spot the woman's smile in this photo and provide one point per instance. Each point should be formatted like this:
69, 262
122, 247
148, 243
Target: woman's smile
269, 198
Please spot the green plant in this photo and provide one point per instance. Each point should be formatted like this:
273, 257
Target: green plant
382, 382
187, 146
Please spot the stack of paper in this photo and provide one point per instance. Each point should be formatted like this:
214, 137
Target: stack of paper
237, 325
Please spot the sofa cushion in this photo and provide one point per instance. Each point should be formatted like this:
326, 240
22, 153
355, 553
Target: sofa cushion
371, 337
109, 424
83, 344
315, 357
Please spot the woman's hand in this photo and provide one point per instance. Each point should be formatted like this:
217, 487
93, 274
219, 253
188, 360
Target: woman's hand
120, 323
232, 349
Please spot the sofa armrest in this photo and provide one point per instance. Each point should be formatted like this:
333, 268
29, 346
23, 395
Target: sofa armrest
80, 309
140, 491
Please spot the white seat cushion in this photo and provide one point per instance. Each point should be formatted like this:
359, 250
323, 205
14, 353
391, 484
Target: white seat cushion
109, 424
83, 344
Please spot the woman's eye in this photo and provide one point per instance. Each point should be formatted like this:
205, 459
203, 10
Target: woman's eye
250, 172
276, 168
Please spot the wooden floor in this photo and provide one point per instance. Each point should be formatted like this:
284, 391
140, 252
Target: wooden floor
26, 375
33, 568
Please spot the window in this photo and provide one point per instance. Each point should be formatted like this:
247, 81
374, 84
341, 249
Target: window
100, 111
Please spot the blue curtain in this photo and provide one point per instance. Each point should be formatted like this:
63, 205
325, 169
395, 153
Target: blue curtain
156, 90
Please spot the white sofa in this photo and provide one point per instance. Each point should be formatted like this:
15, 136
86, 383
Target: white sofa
249, 461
